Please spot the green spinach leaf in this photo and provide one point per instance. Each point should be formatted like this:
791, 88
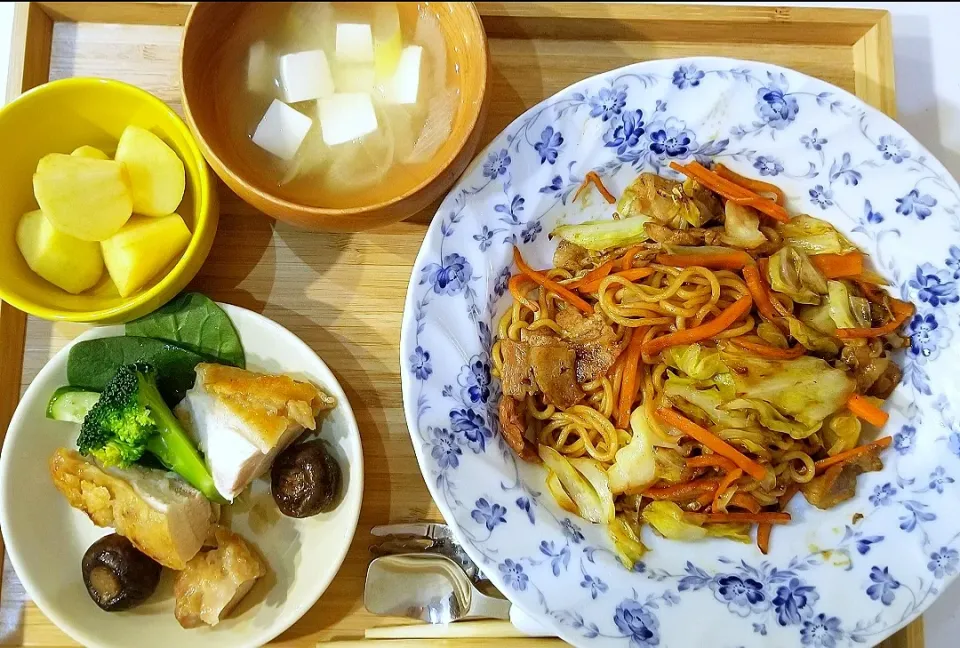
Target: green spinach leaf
195, 322
92, 363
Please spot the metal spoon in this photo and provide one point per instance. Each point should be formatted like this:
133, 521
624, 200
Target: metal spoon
429, 587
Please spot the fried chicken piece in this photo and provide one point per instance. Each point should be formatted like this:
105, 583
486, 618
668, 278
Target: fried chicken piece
162, 515
241, 420
215, 581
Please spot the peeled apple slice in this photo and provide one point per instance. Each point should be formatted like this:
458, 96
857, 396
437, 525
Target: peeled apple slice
144, 247
387, 40
354, 43
305, 76
63, 260
90, 152
157, 177
282, 130
86, 198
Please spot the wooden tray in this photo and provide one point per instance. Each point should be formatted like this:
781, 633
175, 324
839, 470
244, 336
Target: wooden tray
343, 294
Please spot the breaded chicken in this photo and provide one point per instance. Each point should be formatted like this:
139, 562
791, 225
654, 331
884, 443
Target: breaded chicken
241, 420
216, 580
162, 515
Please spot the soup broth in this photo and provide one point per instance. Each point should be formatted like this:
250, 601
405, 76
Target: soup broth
338, 105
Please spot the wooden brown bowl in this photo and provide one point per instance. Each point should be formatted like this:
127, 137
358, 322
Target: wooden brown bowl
209, 30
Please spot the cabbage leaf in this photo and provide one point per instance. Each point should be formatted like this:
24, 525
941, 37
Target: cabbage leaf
741, 226
627, 545
814, 236
695, 361
792, 273
806, 388
635, 464
602, 235
669, 520
580, 490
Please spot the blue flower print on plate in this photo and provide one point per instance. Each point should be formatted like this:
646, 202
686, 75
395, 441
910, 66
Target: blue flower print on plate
849, 576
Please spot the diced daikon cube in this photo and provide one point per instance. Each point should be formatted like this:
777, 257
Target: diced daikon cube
282, 129
347, 116
405, 84
354, 43
260, 69
305, 76
354, 77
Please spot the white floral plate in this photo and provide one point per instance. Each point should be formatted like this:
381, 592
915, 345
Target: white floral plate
833, 578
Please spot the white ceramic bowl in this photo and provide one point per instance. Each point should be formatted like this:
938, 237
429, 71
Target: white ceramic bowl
46, 538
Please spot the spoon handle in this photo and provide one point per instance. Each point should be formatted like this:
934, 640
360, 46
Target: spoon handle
487, 607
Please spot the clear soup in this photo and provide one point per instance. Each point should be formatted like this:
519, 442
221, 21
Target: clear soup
338, 105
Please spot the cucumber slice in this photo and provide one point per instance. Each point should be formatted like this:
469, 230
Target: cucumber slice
71, 404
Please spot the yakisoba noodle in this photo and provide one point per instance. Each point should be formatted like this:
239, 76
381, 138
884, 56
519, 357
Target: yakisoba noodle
706, 433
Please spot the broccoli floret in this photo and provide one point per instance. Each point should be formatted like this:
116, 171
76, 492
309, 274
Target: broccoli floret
130, 418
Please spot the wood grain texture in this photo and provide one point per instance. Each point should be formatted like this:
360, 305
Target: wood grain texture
343, 294
29, 67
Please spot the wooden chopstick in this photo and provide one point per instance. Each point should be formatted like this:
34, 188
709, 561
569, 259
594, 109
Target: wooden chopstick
472, 642
489, 628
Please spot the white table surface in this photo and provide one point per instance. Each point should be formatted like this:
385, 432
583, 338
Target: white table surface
926, 48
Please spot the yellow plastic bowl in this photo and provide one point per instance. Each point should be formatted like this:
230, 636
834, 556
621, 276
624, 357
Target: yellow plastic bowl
57, 118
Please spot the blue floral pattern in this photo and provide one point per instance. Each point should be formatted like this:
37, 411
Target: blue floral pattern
847, 576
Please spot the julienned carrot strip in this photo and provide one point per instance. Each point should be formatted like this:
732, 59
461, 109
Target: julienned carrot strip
518, 296
853, 453
765, 528
768, 351
902, 311
626, 262
762, 517
836, 266
731, 191
593, 178
732, 260
686, 490
788, 494
867, 411
758, 290
628, 384
763, 537
724, 484
745, 197
705, 437
756, 186
711, 461
705, 331
745, 501
551, 285
594, 275
870, 291
705, 500
631, 275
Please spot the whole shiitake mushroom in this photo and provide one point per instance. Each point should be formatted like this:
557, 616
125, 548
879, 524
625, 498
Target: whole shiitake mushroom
117, 575
306, 480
